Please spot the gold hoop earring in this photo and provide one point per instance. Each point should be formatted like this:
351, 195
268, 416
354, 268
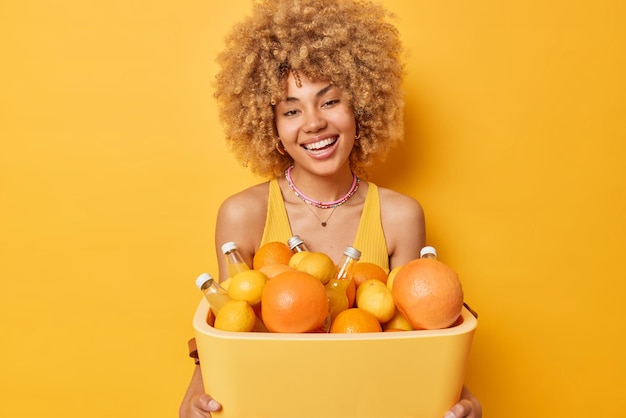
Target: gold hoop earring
357, 136
280, 148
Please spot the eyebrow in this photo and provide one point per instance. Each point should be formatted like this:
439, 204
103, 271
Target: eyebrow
318, 94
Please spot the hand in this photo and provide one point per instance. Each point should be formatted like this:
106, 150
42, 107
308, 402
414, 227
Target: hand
199, 406
463, 409
196, 403
467, 407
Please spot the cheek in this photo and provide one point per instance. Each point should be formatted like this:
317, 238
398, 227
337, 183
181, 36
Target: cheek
280, 128
344, 118
284, 131
289, 132
347, 124
348, 143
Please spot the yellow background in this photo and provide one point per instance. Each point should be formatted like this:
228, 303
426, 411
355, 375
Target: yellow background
112, 167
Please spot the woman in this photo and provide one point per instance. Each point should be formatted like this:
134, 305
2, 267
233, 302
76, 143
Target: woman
310, 95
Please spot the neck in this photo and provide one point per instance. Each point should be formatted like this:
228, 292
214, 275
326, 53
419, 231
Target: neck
325, 190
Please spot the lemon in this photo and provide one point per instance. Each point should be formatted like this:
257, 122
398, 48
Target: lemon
296, 258
248, 286
374, 296
236, 316
398, 321
392, 276
318, 265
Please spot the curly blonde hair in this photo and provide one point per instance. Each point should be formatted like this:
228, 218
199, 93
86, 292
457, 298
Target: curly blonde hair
348, 43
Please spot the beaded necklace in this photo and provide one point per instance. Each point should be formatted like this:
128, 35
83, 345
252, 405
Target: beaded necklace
323, 205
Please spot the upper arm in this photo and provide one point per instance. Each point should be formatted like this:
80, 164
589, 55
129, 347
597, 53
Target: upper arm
404, 226
241, 219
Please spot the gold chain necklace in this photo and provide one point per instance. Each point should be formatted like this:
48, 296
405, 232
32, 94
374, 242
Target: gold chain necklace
322, 222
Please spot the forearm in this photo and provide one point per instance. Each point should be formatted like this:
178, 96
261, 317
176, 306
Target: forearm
195, 387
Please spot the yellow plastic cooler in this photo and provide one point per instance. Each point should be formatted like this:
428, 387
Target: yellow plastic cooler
415, 374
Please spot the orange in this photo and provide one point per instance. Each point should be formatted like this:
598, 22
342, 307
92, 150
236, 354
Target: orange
274, 252
210, 318
428, 293
272, 270
365, 271
458, 321
355, 320
294, 302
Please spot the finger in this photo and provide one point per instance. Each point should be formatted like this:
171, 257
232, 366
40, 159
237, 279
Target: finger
205, 403
463, 409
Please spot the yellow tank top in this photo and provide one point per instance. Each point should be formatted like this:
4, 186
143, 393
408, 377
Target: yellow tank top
370, 237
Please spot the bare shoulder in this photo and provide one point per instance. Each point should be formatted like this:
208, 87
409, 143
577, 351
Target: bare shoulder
241, 217
398, 205
403, 224
246, 201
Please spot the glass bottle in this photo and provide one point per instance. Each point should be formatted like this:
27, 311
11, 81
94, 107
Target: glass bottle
234, 260
337, 286
296, 244
217, 297
213, 292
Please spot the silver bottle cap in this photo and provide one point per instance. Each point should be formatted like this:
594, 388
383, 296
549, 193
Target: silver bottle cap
294, 241
352, 252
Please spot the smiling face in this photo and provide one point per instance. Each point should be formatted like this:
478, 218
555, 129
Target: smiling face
316, 126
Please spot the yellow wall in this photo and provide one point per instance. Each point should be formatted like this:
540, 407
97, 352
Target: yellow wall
112, 168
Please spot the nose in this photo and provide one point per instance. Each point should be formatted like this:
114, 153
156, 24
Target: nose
314, 121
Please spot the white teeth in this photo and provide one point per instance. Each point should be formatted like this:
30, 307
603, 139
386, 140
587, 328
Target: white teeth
319, 145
